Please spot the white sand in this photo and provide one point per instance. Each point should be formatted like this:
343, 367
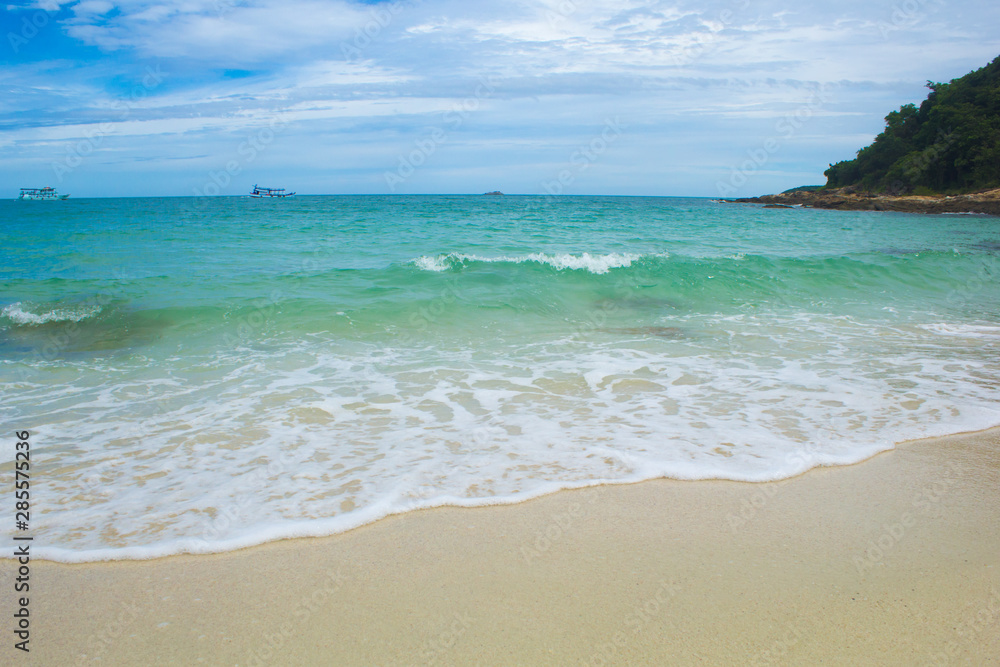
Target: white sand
894, 561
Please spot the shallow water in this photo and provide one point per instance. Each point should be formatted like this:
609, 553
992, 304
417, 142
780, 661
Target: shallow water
200, 375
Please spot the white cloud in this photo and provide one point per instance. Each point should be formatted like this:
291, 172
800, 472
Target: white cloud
223, 31
698, 83
92, 7
51, 5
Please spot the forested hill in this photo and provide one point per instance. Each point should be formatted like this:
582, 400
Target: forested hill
950, 144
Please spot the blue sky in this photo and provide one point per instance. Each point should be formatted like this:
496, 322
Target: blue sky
634, 97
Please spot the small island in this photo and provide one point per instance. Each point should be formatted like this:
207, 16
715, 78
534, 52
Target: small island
940, 157
495, 192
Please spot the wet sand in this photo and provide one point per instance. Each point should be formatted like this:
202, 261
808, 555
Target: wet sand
893, 561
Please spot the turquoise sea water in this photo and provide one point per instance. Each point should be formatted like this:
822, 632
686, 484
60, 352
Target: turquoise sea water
204, 374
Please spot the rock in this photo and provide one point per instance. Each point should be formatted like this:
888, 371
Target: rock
847, 199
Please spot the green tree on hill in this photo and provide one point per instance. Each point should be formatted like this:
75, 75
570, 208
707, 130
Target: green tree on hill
951, 143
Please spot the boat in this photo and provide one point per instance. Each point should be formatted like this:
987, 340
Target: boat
270, 192
45, 194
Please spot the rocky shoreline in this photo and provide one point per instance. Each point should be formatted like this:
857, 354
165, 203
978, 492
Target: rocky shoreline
845, 199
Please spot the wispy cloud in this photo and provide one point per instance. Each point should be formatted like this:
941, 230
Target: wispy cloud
220, 32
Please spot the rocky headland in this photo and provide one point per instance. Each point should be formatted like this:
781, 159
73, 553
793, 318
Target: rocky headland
846, 199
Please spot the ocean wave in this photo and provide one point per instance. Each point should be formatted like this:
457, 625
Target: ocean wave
357, 432
598, 263
27, 315
955, 329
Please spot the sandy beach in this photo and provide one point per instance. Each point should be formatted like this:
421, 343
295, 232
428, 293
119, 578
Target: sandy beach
893, 561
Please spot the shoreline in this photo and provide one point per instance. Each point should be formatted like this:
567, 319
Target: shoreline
845, 199
888, 561
310, 529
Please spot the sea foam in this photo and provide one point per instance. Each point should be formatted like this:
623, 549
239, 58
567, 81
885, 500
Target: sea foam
27, 314
227, 451
592, 263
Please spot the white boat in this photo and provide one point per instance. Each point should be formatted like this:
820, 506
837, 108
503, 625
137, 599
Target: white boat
270, 192
45, 194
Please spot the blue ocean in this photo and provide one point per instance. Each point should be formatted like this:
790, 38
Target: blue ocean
204, 374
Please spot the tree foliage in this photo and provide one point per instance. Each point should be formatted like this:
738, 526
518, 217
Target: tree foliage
951, 143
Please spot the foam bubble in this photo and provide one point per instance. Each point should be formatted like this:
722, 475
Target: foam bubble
955, 329
437, 263
226, 450
597, 263
21, 313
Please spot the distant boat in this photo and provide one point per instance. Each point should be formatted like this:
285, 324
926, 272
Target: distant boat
270, 192
44, 194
